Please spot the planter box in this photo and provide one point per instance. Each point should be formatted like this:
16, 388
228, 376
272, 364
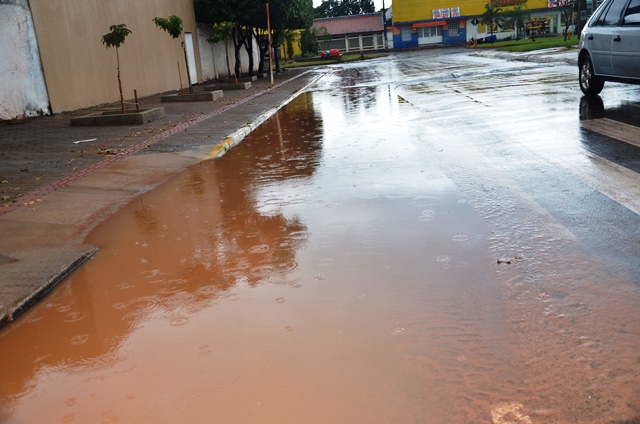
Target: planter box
206, 96
117, 118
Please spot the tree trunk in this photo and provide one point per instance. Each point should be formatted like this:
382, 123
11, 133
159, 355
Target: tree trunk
263, 46
226, 55
248, 45
276, 48
122, 107
238, 41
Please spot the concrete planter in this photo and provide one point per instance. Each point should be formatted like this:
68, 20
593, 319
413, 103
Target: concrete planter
201, 96
117, 118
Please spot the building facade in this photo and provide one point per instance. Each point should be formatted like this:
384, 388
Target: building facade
352, 33
54, 59
418, 22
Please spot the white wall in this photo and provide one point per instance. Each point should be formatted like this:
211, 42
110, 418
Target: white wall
212, 55
22, 88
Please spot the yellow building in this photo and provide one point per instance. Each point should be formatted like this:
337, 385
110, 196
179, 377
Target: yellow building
296, 50
420, 22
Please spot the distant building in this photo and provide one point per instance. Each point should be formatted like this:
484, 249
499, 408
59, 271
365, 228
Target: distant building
422, 22
353, 33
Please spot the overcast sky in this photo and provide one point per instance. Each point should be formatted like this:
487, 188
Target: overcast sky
376, 3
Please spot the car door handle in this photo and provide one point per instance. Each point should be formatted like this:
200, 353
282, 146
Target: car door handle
590, 37
617, 38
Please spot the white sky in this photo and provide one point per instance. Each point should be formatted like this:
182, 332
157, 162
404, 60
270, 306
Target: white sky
377, 3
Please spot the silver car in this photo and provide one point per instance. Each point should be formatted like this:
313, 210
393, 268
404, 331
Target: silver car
609, 48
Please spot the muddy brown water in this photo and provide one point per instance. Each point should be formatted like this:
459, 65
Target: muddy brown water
318, 274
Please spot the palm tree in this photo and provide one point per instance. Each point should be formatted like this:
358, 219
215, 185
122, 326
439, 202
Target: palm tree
518, 16
492, 16
289, 36
115, 38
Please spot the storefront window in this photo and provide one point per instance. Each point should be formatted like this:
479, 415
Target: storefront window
454, 29
405, 33
434, 31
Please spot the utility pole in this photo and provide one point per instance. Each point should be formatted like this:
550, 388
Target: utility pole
270, 48
384, 25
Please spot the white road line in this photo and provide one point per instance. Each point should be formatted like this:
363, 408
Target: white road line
614, 129
614, 181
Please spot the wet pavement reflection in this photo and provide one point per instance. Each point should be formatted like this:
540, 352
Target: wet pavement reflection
339, 265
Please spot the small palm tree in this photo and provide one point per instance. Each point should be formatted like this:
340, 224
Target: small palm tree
492, 16
518, 16
289, 36
116, 38
173, 25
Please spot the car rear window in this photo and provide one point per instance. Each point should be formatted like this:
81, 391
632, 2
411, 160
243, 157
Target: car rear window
596, 18
633, 9
611, 17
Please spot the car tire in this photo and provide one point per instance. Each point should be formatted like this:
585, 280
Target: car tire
589, 83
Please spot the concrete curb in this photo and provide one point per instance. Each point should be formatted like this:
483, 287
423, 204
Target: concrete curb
236, 137
14, 311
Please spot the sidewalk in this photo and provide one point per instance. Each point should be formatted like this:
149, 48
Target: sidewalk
564, 55
57, 182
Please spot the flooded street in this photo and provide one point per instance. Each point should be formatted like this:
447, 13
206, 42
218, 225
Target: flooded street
425, 238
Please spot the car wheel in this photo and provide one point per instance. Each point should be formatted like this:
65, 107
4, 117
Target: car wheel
589, 84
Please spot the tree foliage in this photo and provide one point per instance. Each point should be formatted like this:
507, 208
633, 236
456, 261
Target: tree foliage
310, 40
566, 13
249, 20
173, 25
116, 37
492, 16
517, 16
333, 8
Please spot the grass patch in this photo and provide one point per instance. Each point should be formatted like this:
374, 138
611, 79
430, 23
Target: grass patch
342, 59
527, 45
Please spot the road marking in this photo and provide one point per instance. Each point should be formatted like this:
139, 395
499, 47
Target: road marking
614, 129
615, 181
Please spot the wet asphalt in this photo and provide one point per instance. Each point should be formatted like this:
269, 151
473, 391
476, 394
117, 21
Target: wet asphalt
59, 181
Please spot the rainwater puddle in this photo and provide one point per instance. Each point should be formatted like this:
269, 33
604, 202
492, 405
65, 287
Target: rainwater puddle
268, 276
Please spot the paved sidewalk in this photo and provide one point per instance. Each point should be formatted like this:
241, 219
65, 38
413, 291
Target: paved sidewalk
57, 182
562, 55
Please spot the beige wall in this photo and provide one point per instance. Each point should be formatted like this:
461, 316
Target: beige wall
80, 71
